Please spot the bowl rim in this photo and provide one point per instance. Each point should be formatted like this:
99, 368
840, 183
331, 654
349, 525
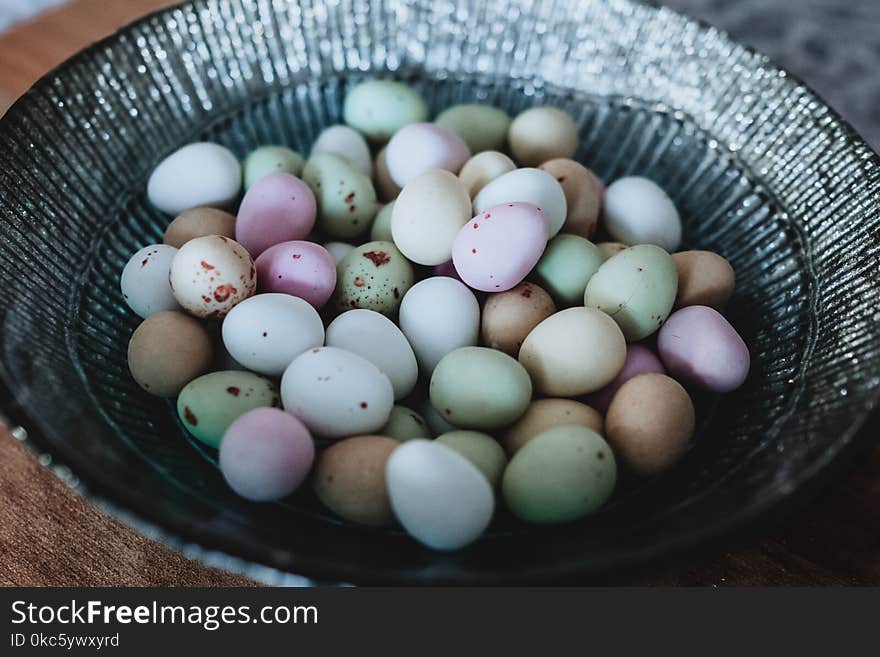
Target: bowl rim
236, 553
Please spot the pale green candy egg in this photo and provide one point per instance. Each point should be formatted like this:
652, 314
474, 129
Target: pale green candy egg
209, 404
381, 228
346, 198
483, 127
636, 288
560, 475
374, 276
405, 424
480, 388
379, 108
568, 263
271, 159
480, 449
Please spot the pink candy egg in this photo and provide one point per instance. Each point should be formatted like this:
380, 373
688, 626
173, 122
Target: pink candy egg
698, 345
497, 249
303, 269
277, 208
266, 454
420, 147
639, 360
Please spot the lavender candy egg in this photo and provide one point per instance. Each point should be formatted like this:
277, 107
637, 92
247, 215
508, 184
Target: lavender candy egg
277, 208
266, 454
420, 147
497, 249
639, 360
302, 269
698, 345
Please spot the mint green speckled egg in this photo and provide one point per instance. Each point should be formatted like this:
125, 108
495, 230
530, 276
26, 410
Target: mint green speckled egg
568, 263
346, 198
482, 127
209, 404
379, 108
480, 449
271, 159
374, 276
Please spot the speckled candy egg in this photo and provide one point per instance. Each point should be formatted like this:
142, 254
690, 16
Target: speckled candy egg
209, 404
639, 360
386, 189
480, 388
276, 209
349, 479
266, 454
637, 288
544, 414
583, 195
376, 338
405, 424
267, 160
441, 499
374, 276
428, 215
438, 315
698, 345
196, 174
380, 231
482, 127
338, 250
266, 332
211, 274
508, 317
500, 246
144, 280
540, 134
301, 269
420, 147
198, 222
337, 393
704, 279
167, 351
561, 475
567, 265
346, 198
649, 423
573, 352
638, 211
480, 449
482, 169
347, 142
379, 108
526, 186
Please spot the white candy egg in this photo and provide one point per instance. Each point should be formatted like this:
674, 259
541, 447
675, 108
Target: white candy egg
376, 338
347, 142
338, 250
438, 315
197, 174
211, 274
526, 186
638, 211
266, 332
144, 280
337, 393
441, 499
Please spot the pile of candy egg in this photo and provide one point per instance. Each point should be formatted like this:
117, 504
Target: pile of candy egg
425, 301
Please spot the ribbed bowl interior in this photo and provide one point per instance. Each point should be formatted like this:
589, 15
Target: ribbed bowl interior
761, 170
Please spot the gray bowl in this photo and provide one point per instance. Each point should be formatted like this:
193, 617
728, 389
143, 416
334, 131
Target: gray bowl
762, 171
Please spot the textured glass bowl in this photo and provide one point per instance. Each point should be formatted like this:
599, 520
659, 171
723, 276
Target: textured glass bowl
762, 171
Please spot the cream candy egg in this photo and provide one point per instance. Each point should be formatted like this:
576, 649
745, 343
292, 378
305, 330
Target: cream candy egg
202, 173
540, 134
526, 186
381, 228
338, 250
439, 496
266, 332
211, 274
347, 142
428, 215
386, 189
482, 169
277, 208
420, 147
438, 315
376, 338
638, 211
144, 280
499, 247
299, 268
337, 393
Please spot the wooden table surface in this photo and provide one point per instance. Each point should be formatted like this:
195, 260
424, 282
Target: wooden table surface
51, 536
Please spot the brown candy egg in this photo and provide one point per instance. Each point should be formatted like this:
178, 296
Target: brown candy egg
609, 249
704, 279
582, 195
387, 190
649, 423
508, 317
198, 222
544, 414
167, 351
